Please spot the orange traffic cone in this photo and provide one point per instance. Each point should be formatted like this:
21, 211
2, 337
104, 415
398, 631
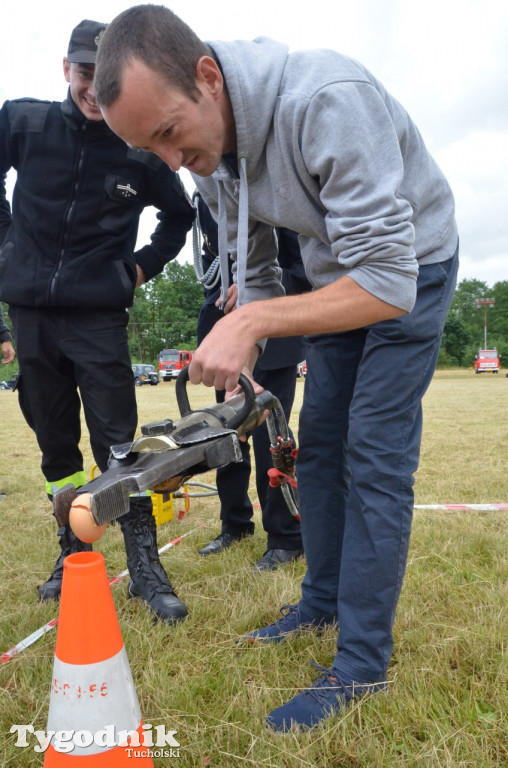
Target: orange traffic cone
93, 702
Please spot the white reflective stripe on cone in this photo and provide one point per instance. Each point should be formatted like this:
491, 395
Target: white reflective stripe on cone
89, 697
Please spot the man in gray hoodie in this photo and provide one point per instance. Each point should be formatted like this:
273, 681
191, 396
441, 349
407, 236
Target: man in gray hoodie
311, 141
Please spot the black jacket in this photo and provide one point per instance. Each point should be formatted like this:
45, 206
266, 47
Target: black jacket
79, 193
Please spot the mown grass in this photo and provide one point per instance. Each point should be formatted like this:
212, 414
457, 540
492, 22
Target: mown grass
447, 703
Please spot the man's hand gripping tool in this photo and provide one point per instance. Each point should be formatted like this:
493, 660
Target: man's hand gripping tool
169, 453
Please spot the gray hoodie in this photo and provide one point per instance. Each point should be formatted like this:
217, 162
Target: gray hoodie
324, 150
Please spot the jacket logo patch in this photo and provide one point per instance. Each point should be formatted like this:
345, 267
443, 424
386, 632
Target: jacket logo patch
125, 190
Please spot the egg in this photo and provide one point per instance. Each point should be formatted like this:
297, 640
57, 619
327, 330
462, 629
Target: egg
82, 522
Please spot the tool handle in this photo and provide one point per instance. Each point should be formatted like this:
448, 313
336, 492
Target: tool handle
237, 419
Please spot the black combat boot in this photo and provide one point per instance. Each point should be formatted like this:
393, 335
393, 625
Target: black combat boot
69, 544
148, 578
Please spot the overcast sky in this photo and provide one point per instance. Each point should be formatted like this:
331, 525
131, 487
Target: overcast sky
445, 60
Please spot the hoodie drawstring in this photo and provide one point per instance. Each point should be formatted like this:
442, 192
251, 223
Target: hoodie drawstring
241, 238
223, 244
243, 231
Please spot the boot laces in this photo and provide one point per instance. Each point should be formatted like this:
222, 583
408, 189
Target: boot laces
327, 687
289, 619
147, 564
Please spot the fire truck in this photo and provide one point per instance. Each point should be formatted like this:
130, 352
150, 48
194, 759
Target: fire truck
301, 370
171, 362
486, 360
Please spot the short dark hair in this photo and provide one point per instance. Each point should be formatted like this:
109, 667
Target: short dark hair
156, 36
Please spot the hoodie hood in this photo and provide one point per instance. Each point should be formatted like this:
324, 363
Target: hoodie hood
251, 68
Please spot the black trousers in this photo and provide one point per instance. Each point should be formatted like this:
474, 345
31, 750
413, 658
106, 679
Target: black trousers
68, 357
283, 530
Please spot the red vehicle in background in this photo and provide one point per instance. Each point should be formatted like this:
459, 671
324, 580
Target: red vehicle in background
486, 360
171, 362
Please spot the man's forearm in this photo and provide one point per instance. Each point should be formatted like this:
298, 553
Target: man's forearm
341, 306
338, 307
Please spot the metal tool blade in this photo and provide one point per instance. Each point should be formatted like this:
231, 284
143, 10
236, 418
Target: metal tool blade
110, 492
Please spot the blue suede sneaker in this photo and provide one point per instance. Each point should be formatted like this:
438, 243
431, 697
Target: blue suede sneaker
293, 620
327, 695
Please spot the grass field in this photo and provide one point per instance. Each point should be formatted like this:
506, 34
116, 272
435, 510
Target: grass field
448, 695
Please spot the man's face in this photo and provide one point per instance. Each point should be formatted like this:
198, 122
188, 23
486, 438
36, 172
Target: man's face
80, 79
153, 115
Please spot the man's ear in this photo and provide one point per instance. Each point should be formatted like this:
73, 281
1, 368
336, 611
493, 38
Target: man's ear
208, 75
67, 69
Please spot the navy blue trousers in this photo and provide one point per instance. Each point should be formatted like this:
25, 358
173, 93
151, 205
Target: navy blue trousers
360, 433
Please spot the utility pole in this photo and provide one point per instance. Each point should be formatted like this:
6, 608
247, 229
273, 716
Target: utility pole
485, 303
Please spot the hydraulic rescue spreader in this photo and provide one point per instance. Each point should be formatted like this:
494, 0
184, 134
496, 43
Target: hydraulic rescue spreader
169, 453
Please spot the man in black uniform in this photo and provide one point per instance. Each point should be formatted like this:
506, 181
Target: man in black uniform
276, 371
68, 270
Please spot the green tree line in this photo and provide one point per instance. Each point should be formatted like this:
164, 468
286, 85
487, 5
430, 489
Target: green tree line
464, 330
165, 313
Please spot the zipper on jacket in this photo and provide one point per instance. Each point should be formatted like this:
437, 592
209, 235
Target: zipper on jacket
69, 215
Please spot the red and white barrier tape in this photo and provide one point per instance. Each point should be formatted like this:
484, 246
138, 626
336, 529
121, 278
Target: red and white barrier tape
31, 639
475, 507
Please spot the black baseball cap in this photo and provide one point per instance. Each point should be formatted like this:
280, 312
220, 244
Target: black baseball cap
84, 41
